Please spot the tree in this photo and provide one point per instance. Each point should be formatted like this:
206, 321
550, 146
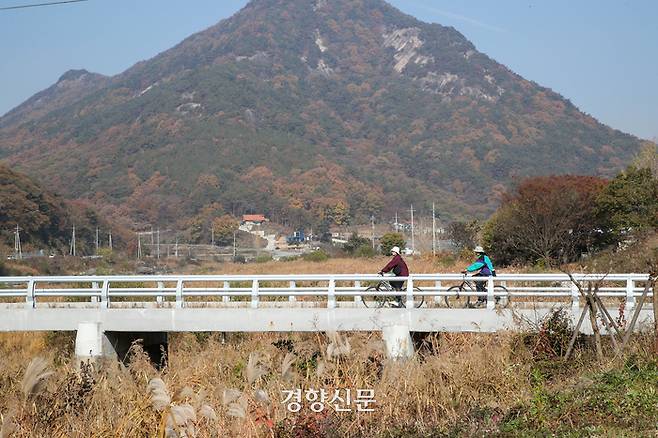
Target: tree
355, 242
464, 234
198, 227
389, 240
631, 202
340, 213
552, 218
648, 157
224, 227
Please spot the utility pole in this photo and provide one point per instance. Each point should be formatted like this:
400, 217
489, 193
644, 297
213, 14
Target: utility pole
72, 249
176, 248
152, 242
158, 240
234, 249
97, 241
396, 221
139, 246
110, 240
372, 223
18, 251
212, 236
413, 242
433, 231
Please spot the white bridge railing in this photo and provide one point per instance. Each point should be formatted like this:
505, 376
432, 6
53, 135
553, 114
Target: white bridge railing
330, 291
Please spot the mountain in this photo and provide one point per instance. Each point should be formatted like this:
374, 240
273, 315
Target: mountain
71, 87
311, 111
45, 219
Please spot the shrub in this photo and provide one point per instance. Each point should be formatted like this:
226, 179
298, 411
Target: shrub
263, 258
365, 251
389, 240
552, 339
630, 201
354, 243
316, 256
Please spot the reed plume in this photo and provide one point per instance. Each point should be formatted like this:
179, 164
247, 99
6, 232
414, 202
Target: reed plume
160, 398
35, 377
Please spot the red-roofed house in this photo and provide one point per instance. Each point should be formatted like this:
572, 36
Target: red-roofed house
253, 219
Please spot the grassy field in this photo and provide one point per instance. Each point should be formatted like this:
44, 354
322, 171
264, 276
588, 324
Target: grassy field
445, 263
457, 385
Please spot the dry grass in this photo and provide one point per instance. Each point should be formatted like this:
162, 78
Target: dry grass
330, 266
209, 388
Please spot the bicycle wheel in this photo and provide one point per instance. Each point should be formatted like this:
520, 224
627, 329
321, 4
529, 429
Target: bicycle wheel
502, 301
460, 300
373, 301
419, 299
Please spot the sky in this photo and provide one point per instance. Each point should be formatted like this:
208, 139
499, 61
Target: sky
600, 54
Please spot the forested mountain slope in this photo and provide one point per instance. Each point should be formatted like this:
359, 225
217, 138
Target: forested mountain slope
45, 220
309, 111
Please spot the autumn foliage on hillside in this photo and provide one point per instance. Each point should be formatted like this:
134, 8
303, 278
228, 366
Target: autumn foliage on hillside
307, 114
45, 220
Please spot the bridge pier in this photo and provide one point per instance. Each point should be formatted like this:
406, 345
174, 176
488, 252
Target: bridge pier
398, 342
92, 343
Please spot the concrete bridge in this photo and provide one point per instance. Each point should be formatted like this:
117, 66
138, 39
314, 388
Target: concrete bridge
108, 312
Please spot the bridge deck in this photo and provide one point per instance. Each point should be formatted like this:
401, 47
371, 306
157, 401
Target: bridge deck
292, 319
298, 302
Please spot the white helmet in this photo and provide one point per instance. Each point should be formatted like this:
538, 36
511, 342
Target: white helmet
479, 249
395, 249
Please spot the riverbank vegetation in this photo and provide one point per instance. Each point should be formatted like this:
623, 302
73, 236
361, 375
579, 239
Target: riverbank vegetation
457, 385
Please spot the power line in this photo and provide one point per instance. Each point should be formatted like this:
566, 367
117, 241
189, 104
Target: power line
36, 5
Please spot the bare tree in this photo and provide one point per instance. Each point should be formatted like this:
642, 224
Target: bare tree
592, 306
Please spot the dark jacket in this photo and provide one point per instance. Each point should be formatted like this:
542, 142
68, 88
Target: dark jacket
398, 266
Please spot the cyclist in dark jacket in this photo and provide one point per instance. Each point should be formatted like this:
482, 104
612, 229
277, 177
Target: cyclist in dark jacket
398, 266
484, 268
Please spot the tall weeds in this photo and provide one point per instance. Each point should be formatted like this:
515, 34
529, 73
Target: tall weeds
465, 384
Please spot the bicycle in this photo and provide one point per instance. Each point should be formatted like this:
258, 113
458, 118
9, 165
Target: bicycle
464, 300
379, 301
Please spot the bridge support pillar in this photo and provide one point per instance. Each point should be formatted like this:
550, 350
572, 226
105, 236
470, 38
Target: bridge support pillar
397, 339
92, 343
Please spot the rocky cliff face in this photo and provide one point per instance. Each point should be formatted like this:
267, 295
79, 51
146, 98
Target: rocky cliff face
309, 111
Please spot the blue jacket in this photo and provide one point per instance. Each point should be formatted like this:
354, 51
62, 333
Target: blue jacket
482, 264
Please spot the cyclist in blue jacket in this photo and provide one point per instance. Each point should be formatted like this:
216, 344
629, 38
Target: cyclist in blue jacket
484, 268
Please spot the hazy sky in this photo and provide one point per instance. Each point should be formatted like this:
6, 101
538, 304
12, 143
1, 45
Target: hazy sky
600, 54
